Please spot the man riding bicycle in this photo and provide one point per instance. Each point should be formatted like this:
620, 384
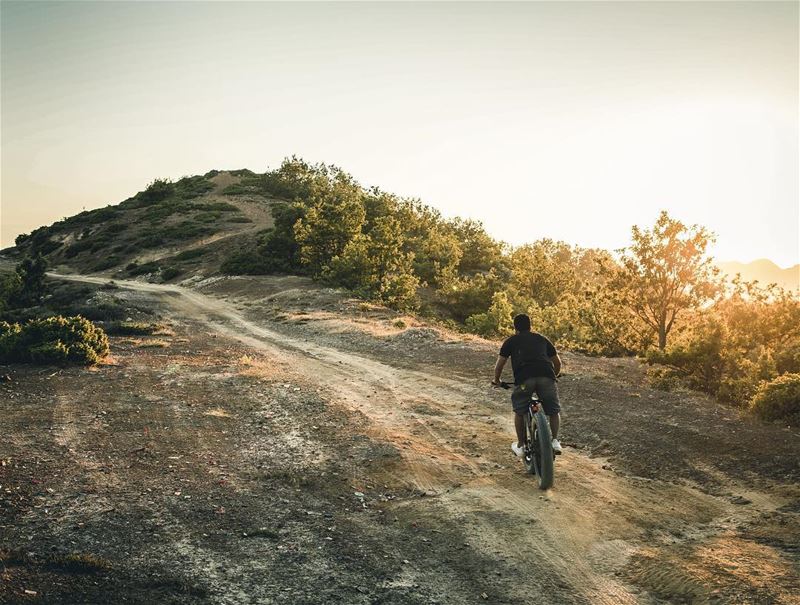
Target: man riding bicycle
536, 365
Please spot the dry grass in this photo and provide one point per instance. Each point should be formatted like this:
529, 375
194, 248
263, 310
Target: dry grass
265, 368
154, 344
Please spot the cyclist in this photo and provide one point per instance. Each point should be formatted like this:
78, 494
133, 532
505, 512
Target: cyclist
536, 365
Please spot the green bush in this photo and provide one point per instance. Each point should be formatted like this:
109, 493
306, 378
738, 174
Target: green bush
151, 267
190, 254
215, 206
237, 189
779, 399
104, 311
193, 186
158, 190
168, 273
106, 263
55, 339
80, 246
497, 321
208, 217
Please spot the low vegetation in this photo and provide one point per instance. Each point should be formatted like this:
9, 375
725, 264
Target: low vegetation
779, 399
55, 340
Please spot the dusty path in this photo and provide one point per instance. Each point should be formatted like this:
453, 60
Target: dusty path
577, 541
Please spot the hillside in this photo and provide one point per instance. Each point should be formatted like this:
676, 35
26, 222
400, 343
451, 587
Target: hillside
168, 232
765, 272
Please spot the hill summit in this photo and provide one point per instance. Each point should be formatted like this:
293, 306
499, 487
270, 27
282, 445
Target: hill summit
167, 231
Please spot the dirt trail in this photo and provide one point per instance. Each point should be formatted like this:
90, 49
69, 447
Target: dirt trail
454, 436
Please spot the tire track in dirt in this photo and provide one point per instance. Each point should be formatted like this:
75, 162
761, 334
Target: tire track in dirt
576, 539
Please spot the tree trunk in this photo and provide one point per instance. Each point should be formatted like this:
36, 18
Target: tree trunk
662, 337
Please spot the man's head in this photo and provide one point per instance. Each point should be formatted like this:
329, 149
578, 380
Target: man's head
522, 323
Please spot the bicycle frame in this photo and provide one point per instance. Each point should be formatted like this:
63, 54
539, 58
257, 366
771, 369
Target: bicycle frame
538, 455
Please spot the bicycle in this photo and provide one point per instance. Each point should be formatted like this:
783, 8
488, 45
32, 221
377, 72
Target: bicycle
537, 454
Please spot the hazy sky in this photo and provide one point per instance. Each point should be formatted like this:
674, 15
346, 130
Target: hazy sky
564, 120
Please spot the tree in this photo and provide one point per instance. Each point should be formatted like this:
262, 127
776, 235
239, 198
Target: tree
333, 219
497, 321
10, 287
375, 265
31, 272
479, 251
542, 273
664, 272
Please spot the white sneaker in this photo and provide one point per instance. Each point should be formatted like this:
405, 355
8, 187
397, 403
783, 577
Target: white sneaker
556, 447
518, 451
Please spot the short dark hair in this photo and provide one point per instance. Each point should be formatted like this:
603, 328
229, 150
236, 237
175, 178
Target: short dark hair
522, 323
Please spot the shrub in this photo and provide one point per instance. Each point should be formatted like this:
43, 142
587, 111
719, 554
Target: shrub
150, 267
497, 321
115, 228
662, 379
237, 189
104, 311
193, 186
168, 273
245, 262
106, 263
779, 399
208, 217
158, 190
215, 206
55, 339
80, 246
190, 254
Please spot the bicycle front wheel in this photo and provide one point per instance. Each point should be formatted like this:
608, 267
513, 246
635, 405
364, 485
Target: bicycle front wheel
541, 449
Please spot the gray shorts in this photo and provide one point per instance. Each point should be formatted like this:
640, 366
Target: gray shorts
545, 389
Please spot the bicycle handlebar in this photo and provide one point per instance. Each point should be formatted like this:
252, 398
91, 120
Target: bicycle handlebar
504, 385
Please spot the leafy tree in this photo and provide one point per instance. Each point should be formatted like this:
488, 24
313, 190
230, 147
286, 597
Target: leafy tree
158, 190
332, 220
465, 296
496, 321
296, 180
665, 272
480, 252
542, 272
10, 287
31, 272
437, 250
376, 266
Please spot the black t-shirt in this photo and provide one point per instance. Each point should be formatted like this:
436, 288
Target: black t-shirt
530, 355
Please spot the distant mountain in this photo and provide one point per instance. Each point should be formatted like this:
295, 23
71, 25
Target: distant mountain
765, 271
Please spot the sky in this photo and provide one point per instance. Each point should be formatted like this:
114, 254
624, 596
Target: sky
567, 120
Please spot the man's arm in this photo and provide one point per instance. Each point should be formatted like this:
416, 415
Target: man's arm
498, 368
556, 363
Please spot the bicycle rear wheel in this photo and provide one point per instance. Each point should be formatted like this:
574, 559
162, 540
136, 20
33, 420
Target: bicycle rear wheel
540, 450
